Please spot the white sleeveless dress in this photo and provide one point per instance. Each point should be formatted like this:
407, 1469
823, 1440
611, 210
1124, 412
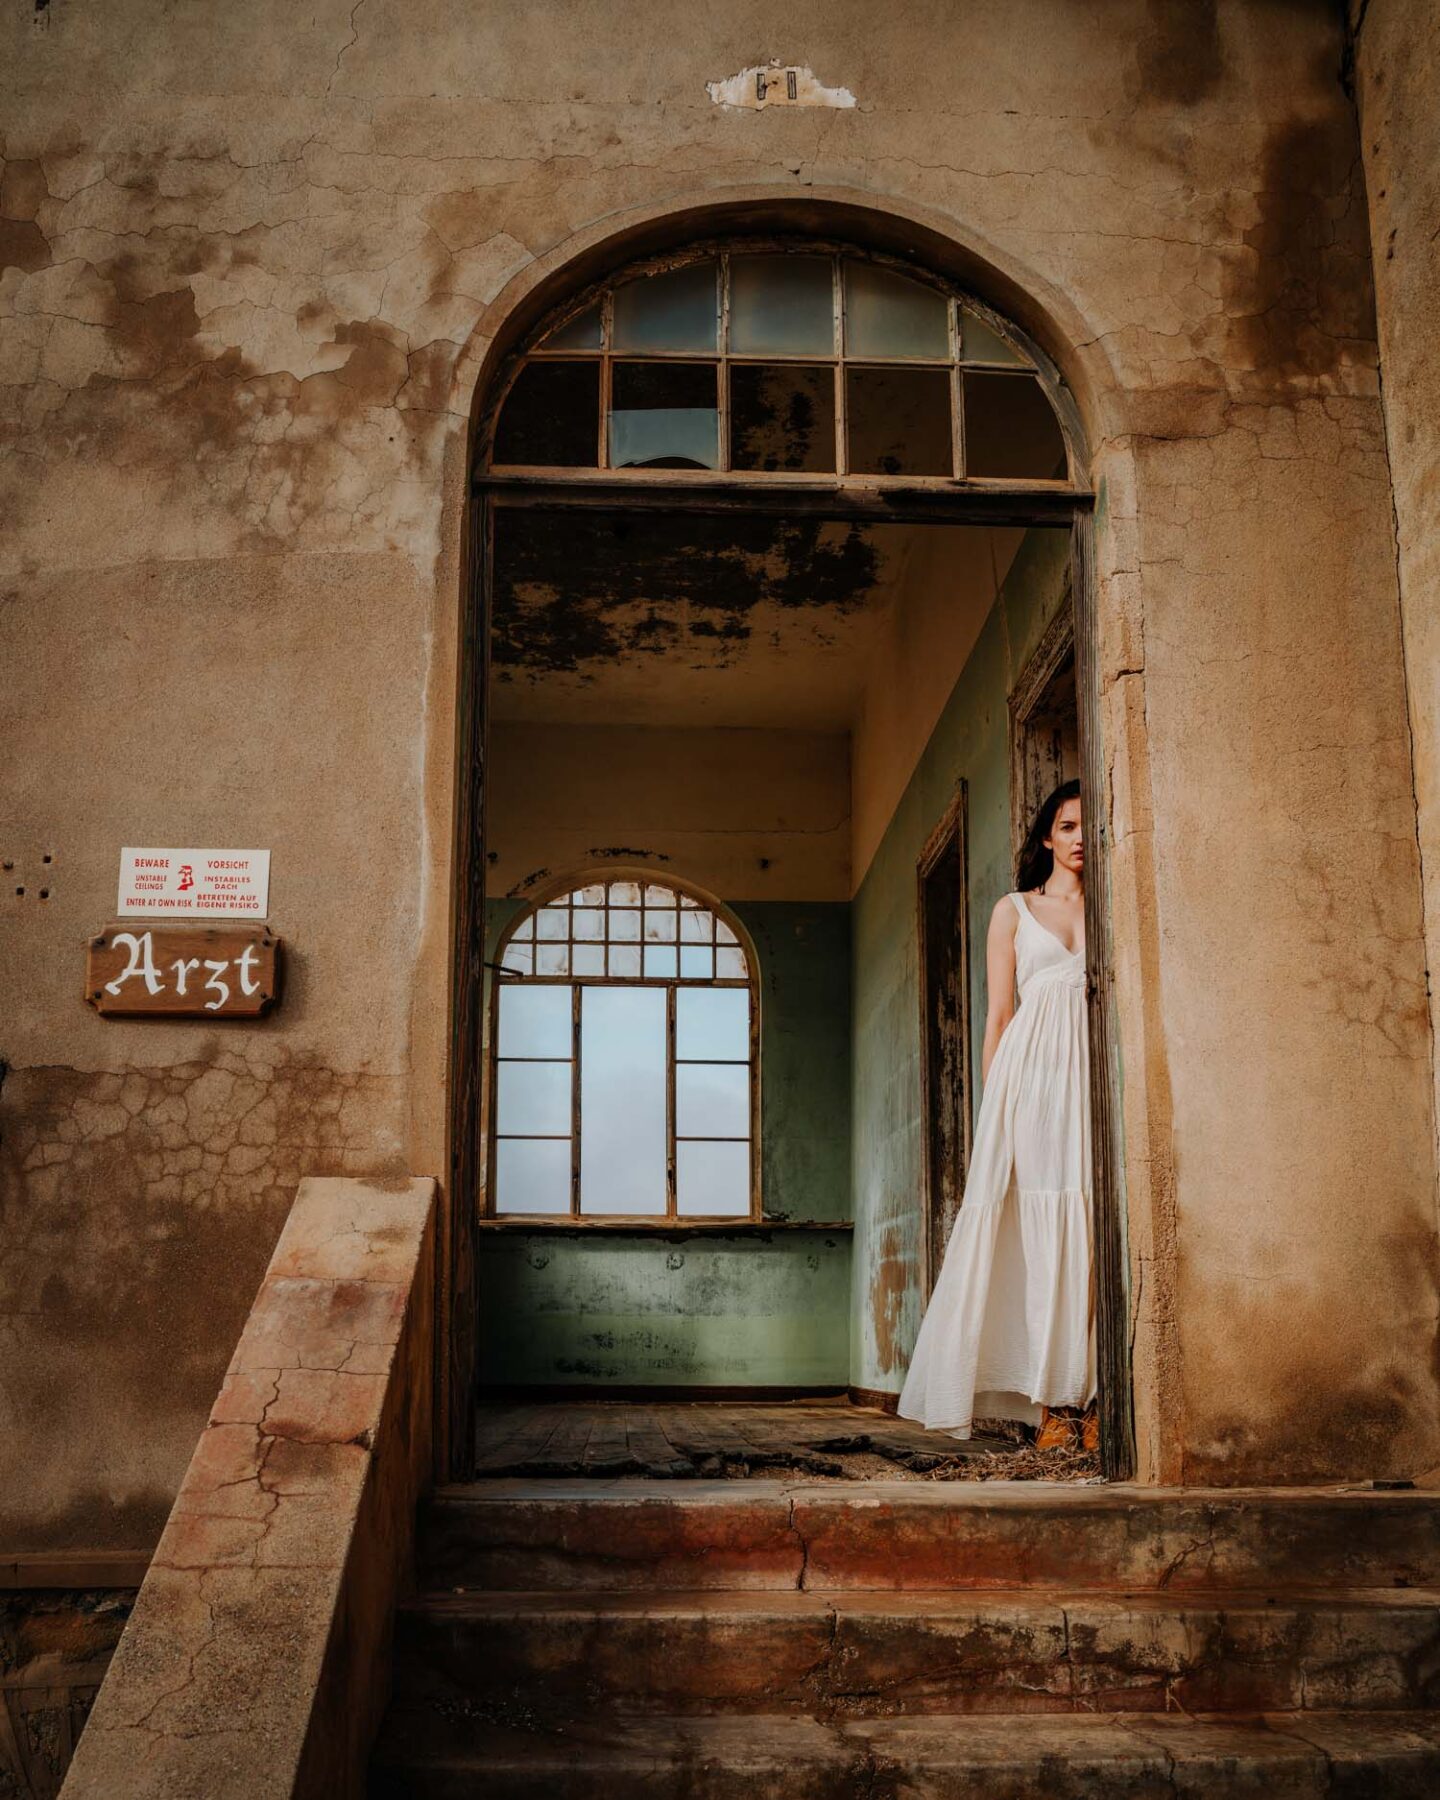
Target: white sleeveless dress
1010, 1325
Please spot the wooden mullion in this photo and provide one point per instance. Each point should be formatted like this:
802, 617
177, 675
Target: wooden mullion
575, 1032
671, 1203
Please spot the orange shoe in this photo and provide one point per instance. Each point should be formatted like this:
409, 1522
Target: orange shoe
1059, 1429
1090, 1429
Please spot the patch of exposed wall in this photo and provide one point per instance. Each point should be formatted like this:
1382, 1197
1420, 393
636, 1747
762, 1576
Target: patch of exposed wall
776, 84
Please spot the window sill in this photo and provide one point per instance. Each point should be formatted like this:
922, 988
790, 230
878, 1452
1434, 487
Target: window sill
664, 1227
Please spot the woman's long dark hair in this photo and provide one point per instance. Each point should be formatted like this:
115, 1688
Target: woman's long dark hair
1034, 863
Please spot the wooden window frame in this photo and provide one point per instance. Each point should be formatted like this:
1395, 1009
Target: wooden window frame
1032, 365
501, 978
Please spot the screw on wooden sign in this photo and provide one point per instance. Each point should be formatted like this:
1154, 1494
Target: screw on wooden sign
183, 971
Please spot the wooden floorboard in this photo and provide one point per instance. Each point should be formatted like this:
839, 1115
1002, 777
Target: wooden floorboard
675, 1440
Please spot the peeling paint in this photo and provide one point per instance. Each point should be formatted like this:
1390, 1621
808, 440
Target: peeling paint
775, 84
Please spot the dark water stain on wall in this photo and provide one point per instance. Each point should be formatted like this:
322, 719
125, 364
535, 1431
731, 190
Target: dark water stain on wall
1179, 58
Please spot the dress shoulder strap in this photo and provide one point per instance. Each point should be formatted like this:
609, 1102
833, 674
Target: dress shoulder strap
1020, 906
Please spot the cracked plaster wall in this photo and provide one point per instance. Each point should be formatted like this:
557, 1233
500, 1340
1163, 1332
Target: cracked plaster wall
253, 261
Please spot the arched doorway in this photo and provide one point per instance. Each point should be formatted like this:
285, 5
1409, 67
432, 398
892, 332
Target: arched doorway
726, 431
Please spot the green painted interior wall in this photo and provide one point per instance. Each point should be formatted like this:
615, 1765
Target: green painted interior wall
759, 1309
970, 742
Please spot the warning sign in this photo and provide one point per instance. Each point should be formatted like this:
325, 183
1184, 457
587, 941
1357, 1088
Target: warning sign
220, 884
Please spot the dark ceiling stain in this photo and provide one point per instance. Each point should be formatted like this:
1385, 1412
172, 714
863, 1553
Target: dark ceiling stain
1180, 59
567, 590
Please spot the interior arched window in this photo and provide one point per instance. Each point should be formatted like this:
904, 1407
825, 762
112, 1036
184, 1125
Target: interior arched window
793, 362
623, 1059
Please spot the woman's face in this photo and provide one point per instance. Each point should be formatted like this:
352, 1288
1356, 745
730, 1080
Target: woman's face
1066, 842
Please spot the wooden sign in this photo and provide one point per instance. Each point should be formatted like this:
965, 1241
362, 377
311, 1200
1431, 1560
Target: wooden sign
183, 971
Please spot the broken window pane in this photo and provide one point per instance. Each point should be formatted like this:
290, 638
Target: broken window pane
712, 1100
696, 927
534, 1021
531, 1176
1011, 429
622, 1110
889, 315
678, 310
520, 958
712, 1179
981, 343
782, 416
899, 421
551, 416
533, 1099
781, 305
664, 416
713, 1022
580, 333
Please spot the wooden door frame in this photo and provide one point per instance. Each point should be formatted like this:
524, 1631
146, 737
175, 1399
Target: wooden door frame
960, 504
952, 826
1057, 641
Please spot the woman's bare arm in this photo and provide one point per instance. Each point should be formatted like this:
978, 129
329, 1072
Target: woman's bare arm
999, 979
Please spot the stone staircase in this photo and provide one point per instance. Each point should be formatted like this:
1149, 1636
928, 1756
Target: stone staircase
888, 1639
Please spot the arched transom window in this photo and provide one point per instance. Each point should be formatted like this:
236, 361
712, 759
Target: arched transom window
783, 362
623, 1062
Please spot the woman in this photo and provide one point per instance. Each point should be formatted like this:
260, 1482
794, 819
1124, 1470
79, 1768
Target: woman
1009, 1332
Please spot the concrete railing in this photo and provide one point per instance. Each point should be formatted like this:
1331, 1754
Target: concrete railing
256, 1662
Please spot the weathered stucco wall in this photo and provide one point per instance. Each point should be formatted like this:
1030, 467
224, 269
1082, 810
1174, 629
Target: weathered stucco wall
1397, 81
255, 261
970, 743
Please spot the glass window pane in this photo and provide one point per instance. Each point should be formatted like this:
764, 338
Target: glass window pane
899, 421
589, 924
589, 896
889, 315
532, 1176
622, 1100
713, 1022
782, 416
587, 959
520, 958
664, 416
553, 923
624, 924
624, 893
712, 1180
1011, 429
723, 933
534, 1021
551, 416
730, 965
532, 1099
659, 896
661, 961
580, 333
552, 959
697, 962
525, 930
712, 1100
659, 927
781, 305
979, 342
675, 311
625, 960
697, 927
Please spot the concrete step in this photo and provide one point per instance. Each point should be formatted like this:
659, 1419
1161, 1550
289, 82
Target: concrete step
885, 1535
1313, 1756
952, 1651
